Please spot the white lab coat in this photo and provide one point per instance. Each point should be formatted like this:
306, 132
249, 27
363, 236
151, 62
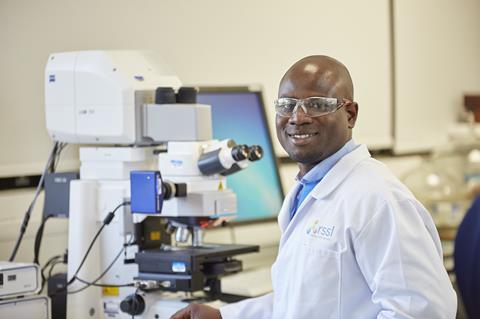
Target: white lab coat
360, 246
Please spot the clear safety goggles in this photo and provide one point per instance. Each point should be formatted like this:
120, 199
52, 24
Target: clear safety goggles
312, 106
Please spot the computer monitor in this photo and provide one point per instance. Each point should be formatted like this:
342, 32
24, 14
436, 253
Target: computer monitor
239, 114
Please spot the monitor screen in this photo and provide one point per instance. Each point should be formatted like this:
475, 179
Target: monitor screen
240, 115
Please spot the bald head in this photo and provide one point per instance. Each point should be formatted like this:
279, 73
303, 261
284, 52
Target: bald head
319, 73
308, 139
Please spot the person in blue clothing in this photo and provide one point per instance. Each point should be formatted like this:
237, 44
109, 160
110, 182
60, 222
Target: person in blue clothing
355, 242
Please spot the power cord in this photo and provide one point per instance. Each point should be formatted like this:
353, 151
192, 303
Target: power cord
106, 221
94, 283
52, 267
50, 165
50, 262
38, 240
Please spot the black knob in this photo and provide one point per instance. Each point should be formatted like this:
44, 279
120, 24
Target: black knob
133, 305
165, 95
187, 95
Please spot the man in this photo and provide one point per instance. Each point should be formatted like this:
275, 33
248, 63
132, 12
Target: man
355, 242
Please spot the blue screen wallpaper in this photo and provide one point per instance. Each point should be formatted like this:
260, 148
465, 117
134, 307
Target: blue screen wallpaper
240, 116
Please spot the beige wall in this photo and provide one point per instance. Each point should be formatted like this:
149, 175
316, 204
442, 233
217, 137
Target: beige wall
212, 42
437, 61
217, 42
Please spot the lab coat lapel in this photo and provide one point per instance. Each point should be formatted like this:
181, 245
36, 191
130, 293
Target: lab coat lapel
284, 215
340, 171
286, 225
291, 224
333, 179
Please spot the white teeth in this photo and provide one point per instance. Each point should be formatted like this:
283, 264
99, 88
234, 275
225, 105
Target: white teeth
302, 135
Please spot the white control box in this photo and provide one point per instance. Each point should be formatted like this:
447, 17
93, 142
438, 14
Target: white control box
18, 279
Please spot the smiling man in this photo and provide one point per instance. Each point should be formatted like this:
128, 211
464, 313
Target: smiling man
355, 242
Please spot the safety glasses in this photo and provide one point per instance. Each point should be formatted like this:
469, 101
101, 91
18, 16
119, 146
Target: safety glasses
312, 106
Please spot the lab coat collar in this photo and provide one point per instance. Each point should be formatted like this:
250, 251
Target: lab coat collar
340, 171
331, 180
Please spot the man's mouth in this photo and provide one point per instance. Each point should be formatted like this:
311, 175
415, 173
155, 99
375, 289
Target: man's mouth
302, 135
300, 138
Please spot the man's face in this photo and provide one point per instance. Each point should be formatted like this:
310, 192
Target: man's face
309, 140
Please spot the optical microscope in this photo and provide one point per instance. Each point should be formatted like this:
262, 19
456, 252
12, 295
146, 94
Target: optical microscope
151, 146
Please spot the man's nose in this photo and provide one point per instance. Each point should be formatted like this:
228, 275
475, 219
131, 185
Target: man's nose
299, 115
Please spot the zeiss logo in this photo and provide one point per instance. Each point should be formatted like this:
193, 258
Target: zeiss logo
51, 78
315, 229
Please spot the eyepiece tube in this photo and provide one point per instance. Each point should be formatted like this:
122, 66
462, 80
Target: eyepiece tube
187, 95
255, 152
210, 163
240, 152
222, 159
165, 95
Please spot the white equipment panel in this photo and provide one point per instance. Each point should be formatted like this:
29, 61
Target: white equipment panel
37, 307
18, 279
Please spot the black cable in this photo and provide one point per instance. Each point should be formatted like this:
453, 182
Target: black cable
94, 283
88, 283
50, 261
28, 213
57, 156
106, 221
72, 292
40, 230
52, 267
38, 240
86, 255
39, 235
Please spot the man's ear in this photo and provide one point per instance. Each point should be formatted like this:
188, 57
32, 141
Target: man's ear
352, 111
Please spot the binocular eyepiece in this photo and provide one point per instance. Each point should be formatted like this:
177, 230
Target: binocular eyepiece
223, 158
185, 95
255, 152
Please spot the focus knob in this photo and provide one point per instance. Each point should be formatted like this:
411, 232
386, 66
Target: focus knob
133, 305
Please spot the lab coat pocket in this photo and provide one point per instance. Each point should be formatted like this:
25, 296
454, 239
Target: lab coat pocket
320, 282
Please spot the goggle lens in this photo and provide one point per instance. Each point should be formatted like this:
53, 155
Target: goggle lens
312, 106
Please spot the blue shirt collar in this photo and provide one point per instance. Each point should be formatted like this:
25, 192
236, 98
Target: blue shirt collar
316, 174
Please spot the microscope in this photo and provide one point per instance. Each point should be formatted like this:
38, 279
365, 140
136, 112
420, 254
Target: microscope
148, 152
